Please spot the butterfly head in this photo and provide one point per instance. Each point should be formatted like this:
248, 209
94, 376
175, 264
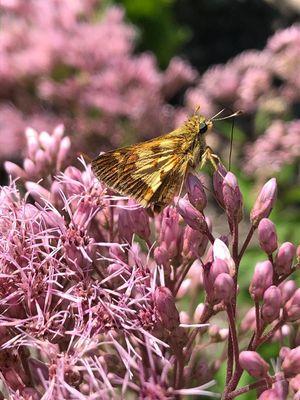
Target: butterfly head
204, 125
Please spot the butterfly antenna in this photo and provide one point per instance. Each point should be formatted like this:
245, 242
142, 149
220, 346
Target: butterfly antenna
231, 144
239, 112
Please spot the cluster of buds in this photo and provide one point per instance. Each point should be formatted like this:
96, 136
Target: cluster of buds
104, 281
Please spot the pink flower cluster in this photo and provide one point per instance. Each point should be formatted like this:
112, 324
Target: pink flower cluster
265, 85
73, 62
91, 287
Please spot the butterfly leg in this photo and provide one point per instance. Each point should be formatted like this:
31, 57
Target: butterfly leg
208, 155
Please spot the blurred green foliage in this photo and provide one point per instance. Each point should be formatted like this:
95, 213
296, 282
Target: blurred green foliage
158, 29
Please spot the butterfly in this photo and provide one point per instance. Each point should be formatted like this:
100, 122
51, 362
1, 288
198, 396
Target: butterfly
153, 172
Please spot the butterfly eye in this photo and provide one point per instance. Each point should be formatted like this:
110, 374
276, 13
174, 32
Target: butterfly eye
203, 127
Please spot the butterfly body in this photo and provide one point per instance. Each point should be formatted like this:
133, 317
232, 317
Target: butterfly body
152, 172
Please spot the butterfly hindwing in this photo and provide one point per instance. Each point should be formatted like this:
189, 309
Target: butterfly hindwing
150, 172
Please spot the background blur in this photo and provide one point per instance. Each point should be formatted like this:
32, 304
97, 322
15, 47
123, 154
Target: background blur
114, 72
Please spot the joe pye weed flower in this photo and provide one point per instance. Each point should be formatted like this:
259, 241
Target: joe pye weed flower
92, 287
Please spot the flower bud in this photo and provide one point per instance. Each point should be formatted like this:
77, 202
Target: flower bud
164, 302
271, 305
161, 256
249, 321
232, 197
283, 352
292, 307
261, 280
291, 363
270, 394
125, 226
140, 222
196, 193
264, 202
218, 267
14, 170
170, 231
218, 178
221, 252
254, 364
199, 312
194, 243
295, 383
224, 288
284, 258
63, 151
267, 236
192, 216
287, 289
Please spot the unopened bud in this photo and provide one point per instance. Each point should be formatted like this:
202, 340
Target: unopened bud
291, 363
283, 352
218, 178
221, 251
196, 193
198, 312
284, 258
194, 243
261, 280
249, 321
192, 216
287, 290
218, 267
270, 394
232, 197
165, 305
140, 222
295, 383
292, 307
267, 236
254, 364
161, 256
264, 202
224, 288
271, 305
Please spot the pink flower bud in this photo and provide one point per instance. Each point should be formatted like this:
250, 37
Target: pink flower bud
164, 302
125, 227
291, 363
221, 251
261, 280
254, 364
218, 267
264, 202
295, 383
292, 307
270, 394
196, 193
267, 236
224, 288
199, 312
287, 290
63, 151
249, 321
161, 256
170, 231
283, 352
218, 178
232, 197
284, 258
192, 216
140, 222
14, 170
30, 168
271, 306
194, 243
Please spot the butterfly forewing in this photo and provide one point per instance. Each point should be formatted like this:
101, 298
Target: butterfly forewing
150, 172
